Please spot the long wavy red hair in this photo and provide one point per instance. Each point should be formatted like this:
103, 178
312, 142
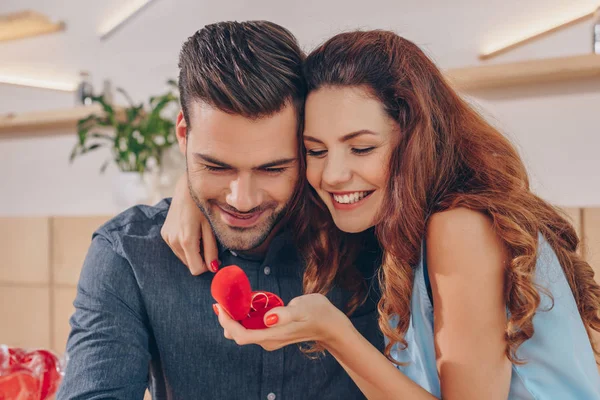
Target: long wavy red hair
447, 156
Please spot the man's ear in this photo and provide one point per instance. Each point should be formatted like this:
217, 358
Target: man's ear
181, 130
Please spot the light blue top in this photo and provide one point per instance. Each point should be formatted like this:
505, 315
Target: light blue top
560, 361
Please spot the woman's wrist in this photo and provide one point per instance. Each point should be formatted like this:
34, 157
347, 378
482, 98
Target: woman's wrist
338, 327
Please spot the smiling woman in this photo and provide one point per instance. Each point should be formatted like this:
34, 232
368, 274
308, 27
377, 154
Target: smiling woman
467, 247
348, 167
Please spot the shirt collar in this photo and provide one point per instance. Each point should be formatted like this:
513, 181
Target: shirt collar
283, 240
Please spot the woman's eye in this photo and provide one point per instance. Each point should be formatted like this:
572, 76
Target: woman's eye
362, 151
316, 153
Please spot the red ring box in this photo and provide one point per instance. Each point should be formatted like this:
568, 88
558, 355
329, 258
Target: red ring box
231, 289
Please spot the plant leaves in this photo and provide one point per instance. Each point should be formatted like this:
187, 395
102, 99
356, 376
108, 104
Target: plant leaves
133, 141
74, 153
103, 168
90, 148
97, 135
127, 97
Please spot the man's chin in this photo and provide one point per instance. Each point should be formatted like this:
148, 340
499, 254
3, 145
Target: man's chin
242, 239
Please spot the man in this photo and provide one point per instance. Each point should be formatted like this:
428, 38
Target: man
141, 319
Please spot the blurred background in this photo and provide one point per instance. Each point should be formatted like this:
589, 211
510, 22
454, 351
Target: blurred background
64, 119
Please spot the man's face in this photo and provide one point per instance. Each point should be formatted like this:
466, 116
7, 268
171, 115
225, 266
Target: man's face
241, 172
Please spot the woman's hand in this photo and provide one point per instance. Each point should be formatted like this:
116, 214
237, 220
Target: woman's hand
185, 227
311, 317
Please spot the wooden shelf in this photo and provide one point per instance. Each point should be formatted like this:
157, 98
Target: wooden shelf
27, 24
549, 70
36, 122
465, 79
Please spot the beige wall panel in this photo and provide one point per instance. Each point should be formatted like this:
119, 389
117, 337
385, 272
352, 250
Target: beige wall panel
591, 233
63, 309
25, 316
591, 226
574, 215
24, 244
71, 238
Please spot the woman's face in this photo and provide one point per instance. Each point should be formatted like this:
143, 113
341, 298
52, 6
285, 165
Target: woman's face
348, 138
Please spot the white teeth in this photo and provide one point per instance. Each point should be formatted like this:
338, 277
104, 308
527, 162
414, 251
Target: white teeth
350, 198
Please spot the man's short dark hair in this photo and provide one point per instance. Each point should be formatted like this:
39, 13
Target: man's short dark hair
251, 68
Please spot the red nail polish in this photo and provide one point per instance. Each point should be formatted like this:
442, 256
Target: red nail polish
272, 320
214, 265
216, 309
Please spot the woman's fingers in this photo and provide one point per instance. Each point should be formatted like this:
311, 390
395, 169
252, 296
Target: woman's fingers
279, 316
183, 230
209, 245
176, 248
233, 329
172, 242
190, 258
283, 329
227, 322
191, 249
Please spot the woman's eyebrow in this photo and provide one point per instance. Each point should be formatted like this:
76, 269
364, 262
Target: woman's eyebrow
344, 138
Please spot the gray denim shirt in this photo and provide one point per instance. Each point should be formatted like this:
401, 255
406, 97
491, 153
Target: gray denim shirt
143, 321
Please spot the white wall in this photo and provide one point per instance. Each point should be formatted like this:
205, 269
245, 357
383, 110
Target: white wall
556, 127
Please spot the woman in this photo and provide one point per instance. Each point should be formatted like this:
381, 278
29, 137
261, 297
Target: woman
483, 293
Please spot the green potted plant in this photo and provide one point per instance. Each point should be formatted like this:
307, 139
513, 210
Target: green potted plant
137, 138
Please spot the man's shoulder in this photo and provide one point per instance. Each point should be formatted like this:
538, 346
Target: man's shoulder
129, 249
142, 222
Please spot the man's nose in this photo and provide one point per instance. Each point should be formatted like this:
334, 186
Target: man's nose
244, 195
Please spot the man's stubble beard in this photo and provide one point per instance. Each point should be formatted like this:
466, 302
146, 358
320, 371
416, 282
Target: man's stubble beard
239, 239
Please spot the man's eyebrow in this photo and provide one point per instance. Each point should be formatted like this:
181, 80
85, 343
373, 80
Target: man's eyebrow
277, 163
209, 159
271, 164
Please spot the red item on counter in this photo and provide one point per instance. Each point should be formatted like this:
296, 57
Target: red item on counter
231, 289
28, 375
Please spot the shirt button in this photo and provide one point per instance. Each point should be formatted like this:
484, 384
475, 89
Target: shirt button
267, 271
233, 253
271, 396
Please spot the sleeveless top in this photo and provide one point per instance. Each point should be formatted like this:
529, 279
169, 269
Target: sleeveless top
559, 358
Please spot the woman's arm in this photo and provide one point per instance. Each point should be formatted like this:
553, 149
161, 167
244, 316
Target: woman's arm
186, 228
372, 372
466, 261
